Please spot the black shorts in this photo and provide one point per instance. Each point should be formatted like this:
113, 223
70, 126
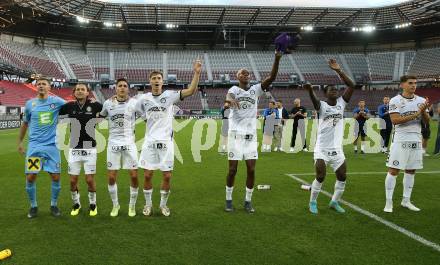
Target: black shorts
360, 129
426, 132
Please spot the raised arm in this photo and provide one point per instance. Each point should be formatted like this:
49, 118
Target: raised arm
195, 81
273, 74
348, 82
315, 100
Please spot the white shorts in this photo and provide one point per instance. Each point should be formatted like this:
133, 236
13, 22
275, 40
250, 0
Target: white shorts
242, 146
405, 155
157, 155
334, 158
77, 157
128, 153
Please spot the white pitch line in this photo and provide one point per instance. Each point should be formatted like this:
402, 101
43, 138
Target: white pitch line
377, 218
370, 173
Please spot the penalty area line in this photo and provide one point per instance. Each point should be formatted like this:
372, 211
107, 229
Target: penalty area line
375, 217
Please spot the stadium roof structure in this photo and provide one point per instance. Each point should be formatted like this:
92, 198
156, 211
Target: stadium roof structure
63, 15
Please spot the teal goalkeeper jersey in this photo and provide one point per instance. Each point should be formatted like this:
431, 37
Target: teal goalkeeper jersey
42, 118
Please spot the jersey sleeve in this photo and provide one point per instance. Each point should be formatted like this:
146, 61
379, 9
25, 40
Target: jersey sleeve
394, 105
63, 111
341, 102
233, 91
175, 96
104, 111
258, 90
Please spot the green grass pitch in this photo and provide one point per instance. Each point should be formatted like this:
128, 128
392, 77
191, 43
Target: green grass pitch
199, 232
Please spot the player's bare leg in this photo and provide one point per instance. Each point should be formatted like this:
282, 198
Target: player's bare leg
148, 192
90, 180
250, 181
355, 144
113, 191
32, 194
321, 171
341, 176
165, 192
390, 184
230, 179
55, 191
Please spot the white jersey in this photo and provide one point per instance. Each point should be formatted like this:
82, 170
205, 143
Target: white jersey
158, 112
330, 126
121, 118
411, 130
244, 120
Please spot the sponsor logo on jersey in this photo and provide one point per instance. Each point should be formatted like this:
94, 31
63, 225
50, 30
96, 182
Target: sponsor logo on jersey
34, 163
45, 118
89, 109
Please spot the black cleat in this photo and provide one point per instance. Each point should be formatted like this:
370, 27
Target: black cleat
32, 212
248, 207
55, 211
229, 207
362, 152
355, 151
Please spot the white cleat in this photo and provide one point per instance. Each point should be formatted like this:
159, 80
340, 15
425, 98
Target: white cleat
281, 149
276, 149
148, 210
165, 211
388, 207
291, 150
305, 150
410, 206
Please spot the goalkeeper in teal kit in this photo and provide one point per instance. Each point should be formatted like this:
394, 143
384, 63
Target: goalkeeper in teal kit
41, 117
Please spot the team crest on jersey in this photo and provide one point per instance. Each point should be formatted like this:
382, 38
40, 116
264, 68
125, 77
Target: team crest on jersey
34, 103
395, 163
231, 154
393, 107
252, 92
52, 106
338, 107
109, 164
163, 100
89, 109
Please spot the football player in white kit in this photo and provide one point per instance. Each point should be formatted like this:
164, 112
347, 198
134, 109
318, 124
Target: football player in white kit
406, 111
120, 112
157, 108
328, 148
242, 134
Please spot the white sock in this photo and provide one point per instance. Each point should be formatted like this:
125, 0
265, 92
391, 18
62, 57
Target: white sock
355, 148
249, 194
316, 188
339, 190
133, 195
363, 146
92, 197
164, 197
390, 183
148, 194
75, 197
113, 190
229, 191
408, 183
